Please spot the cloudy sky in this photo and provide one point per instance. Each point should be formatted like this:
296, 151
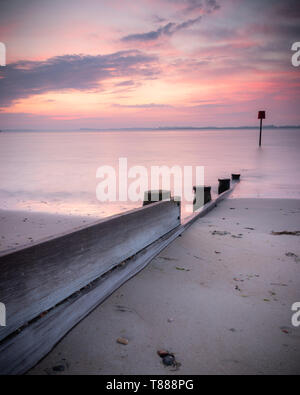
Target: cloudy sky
132, 63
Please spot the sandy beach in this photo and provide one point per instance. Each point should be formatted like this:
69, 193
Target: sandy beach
22, 228
219, 297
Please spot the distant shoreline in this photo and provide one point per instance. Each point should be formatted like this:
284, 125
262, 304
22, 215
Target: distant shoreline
160, 128
201, 128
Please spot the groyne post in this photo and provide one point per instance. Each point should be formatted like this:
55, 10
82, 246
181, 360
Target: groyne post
235, 177
153, 196
202, 196
224, 185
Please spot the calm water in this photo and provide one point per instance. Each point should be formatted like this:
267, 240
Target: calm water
56, 171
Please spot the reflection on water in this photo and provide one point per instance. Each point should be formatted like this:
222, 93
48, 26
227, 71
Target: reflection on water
55, 172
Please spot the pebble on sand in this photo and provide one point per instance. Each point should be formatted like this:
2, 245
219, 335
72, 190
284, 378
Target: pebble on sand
169, 360
122, 340
162, 353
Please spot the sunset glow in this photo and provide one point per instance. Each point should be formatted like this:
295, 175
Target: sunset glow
148, 63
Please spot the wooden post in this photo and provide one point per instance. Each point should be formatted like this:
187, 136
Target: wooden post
261, 116
202, 196
153, 196
235, 177
260, 132
224, 185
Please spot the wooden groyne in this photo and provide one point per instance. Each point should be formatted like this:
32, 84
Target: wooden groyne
49, 287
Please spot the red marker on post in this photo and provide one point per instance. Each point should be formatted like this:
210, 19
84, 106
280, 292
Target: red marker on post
261, 116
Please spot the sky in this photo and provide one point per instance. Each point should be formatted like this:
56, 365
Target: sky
148, 63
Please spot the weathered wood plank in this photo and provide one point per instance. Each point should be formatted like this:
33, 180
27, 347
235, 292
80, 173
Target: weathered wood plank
22, 351
36, 278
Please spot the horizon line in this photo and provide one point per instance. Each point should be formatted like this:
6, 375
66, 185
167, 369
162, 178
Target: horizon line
155, 128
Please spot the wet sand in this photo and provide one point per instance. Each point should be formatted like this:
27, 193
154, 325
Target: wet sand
22, 228
219, 298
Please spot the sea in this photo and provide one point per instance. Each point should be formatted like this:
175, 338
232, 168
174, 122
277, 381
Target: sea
56, 171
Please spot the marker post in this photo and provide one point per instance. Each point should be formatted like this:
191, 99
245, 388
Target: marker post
261, 116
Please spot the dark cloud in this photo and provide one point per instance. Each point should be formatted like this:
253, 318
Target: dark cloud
126, 83
152, 35
213, 5
186, 7
196, 6
167, 30
68, 72
283, 30
157, 19
189, 6
279, 8
12, 8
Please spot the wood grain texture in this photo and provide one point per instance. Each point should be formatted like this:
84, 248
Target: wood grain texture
22, 351
36, 278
